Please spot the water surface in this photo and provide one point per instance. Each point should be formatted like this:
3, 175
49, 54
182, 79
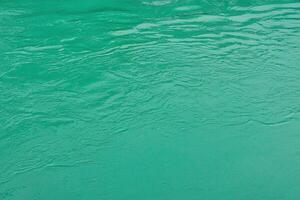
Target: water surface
149, 99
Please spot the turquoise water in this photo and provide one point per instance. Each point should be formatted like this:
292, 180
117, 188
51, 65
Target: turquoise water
149, 100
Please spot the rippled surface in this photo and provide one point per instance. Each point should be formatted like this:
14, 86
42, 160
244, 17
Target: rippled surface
149, 99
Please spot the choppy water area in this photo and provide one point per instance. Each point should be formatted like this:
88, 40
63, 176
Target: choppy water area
149, 99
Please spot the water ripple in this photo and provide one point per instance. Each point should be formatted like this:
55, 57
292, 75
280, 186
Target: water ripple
113, 88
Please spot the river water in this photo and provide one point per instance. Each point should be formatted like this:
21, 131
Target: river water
149, 99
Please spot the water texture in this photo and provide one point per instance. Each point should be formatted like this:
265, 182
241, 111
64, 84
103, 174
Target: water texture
149, 100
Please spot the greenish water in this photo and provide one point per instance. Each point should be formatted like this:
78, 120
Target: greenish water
149, 100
